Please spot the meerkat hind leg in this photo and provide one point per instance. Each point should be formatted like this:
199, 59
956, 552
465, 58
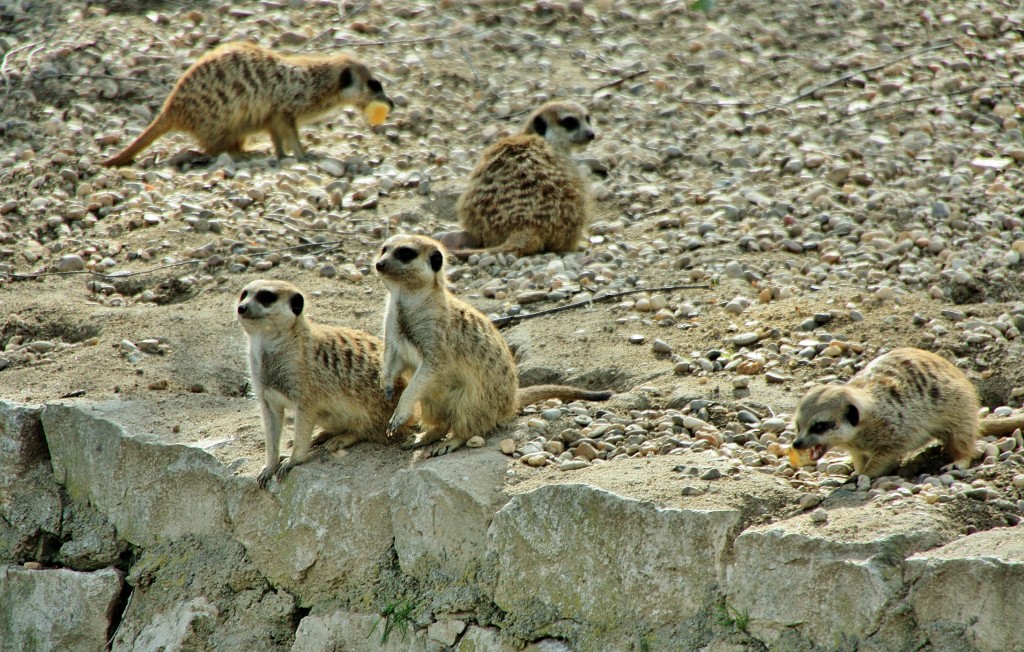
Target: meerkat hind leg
433, 434
330, 442
453, 443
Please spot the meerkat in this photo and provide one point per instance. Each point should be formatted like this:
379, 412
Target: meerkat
326, 375
895, 405
463, 375
526, 195
241, 88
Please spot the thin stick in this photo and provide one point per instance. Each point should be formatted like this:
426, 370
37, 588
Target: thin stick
367, 44
850, 75
505, 321
933, 96
639, 73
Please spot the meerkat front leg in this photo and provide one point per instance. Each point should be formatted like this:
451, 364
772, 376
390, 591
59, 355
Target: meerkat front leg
406, 407
300, 444
284, 133
273, 422
392, 365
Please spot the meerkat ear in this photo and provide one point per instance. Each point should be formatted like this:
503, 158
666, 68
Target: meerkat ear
436, 260
346, 78
297, 302
852, 414
540, 125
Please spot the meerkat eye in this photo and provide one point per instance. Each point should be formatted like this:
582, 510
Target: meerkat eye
405, 254
374, 86
587, 118
820, 427
266, 297
245, 293
346, 78
570, 123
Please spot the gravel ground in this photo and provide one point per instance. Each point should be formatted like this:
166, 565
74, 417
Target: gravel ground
835, 178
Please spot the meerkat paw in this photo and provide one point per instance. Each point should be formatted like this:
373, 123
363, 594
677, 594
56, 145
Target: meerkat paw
264, 477
340, 442
395, 425
413, 442
447, 446
962, 463
284, 468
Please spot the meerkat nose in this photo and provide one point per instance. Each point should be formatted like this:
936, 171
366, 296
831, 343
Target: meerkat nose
380, 265
590, 135
241, 309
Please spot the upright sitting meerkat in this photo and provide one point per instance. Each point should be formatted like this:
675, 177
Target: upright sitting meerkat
463, 375
526, 195
896, 404
241, 88
325, 375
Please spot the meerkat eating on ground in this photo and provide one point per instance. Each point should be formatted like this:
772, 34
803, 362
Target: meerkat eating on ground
895, 405
326, 375
463, 375
242, 88
526, 195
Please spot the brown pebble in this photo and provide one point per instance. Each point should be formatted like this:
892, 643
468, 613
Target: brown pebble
159, 384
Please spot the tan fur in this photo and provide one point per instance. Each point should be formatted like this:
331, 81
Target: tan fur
463, 375
525, 195
327, 376
895, 405
242, 88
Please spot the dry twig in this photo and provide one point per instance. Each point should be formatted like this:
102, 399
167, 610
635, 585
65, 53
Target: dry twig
505, 321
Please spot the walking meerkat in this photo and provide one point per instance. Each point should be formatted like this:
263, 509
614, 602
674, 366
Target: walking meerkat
241, 88
463, 375
325, 375
526, 195
896, 404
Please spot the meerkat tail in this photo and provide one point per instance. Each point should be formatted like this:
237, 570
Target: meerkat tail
536, 393
1001, 427
157, 128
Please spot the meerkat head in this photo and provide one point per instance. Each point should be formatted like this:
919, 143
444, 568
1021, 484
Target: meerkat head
412, 262
829, 415
269, 307
563, 124
356, 86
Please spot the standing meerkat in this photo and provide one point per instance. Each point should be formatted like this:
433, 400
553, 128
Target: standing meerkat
896, 404
325, 375
241, 88
463, 375
526, 195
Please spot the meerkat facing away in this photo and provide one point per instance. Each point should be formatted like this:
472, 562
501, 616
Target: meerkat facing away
463, 375
326, 375
241, 88
526, 195
893, 406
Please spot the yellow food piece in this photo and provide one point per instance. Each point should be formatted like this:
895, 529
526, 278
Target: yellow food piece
376, 113
798, 458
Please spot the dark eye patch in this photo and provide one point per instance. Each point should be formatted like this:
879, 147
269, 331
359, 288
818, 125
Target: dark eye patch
405, 254
588, 118
374, 86
245, 293
820, 427
266, 297
570, 123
